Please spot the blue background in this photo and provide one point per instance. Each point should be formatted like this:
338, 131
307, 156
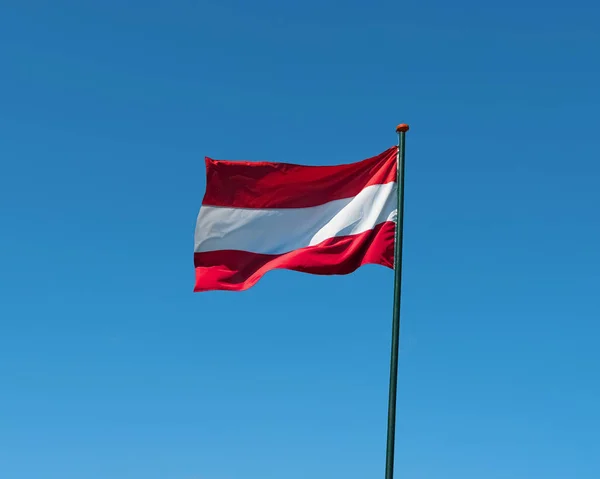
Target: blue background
111, 368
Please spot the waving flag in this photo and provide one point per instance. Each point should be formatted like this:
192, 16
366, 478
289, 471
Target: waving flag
259, 216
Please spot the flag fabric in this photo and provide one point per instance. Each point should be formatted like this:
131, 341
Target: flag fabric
326, 220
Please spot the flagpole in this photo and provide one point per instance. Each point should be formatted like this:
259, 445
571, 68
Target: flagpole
391, 427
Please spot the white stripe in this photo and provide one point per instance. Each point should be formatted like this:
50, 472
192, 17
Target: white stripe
276, 231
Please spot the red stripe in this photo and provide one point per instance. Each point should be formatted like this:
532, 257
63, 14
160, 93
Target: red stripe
283, 185
240, 270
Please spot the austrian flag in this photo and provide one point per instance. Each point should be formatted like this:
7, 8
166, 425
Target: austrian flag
259, 216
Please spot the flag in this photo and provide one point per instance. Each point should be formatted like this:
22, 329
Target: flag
326, 220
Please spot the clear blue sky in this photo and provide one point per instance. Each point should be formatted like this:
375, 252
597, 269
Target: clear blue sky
111, 368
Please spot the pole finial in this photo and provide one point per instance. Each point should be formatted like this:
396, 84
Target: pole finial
402, 128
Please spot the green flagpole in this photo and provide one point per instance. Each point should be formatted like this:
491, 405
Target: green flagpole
391, 427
